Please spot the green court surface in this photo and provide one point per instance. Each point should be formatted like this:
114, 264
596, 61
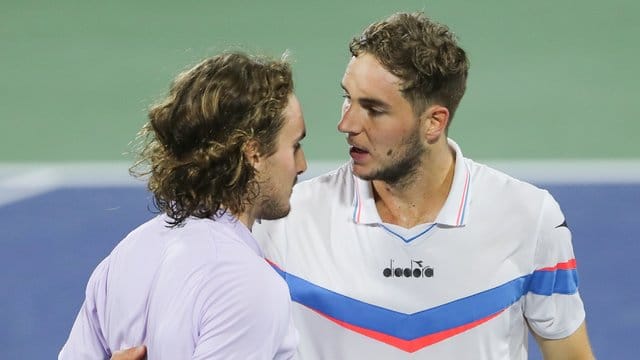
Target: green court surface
549, 79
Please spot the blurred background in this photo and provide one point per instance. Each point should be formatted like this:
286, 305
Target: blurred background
548, 79
552, 97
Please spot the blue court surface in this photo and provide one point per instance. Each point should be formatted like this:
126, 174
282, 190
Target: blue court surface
55, 232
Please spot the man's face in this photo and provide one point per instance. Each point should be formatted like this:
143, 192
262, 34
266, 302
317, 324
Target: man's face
382, 130
281, 169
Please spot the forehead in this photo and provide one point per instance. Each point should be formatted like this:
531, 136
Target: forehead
368, 78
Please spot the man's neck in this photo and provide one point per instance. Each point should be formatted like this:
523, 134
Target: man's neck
420, 199
246, 218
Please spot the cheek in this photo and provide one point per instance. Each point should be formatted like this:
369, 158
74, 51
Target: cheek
286, 163
388, 140
384, 137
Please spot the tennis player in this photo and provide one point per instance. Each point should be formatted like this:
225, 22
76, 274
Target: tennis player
221, 150
411, 250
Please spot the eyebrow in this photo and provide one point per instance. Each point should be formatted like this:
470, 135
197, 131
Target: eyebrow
369, 102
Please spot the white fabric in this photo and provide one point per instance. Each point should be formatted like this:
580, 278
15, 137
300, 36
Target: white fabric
496, 247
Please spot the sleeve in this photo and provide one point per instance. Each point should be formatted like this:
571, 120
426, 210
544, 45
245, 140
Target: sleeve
553, 306
86, 340
246, 316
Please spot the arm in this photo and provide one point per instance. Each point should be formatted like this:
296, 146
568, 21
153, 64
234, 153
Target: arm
86, 339
573, 347
553, 307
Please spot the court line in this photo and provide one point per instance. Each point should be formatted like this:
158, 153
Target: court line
23, 180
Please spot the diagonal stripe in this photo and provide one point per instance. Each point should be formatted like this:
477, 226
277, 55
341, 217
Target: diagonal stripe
405, 326
411, 332
412, 345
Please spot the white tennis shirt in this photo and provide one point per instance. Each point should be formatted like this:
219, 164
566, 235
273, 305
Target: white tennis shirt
199, 291
498, 256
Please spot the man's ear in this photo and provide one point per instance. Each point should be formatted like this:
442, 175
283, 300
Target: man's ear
252, 154
434, 120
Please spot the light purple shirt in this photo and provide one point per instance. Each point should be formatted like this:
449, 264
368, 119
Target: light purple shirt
199, 291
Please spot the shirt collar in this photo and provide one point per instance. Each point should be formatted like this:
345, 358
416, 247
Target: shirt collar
454, 212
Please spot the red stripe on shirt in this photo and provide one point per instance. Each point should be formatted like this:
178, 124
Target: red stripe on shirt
567, 265
414, 345
464, 196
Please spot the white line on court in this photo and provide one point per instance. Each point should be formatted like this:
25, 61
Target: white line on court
23, 180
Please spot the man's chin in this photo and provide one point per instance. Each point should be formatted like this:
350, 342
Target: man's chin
361, 172
275, 215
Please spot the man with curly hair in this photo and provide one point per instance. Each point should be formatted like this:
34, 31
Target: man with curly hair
220, 151
411, 250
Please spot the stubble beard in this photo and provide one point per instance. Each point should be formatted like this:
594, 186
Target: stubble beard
402, 166
272, 209
272, 206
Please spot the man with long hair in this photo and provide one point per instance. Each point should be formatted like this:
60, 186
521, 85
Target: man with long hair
220, 151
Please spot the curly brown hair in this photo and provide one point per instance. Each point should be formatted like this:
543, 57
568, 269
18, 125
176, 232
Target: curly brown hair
192, 147
424, 54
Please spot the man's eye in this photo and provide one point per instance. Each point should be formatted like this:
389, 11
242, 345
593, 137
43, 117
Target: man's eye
374, 112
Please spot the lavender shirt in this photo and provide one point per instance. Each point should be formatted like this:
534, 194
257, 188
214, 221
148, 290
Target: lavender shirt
199, 291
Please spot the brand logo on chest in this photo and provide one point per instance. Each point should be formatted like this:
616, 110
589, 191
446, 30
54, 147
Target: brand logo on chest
415, 269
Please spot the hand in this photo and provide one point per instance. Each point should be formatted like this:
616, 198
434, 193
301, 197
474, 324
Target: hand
135, 353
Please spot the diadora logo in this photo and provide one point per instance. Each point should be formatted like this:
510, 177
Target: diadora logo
416, 269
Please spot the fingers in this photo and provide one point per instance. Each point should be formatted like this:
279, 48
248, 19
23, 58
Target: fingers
135, 353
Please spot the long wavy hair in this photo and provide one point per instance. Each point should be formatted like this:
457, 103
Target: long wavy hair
192, 147
425, 56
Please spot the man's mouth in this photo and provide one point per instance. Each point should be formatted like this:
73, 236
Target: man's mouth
358, 154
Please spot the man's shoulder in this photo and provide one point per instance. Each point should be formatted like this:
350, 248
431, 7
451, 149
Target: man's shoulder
488, 177
194, 242
501, 191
